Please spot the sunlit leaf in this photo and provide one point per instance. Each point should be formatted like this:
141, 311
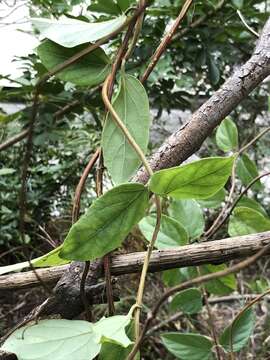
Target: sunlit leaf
197, 180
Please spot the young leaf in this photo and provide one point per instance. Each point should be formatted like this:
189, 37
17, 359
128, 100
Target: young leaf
189, 301
227, 135
214, 201
246, 221
197, 180
188, 346
54, 339
236, 335
71, 32
50, 259
106, 223
90, 70
132, 105
181, 210
246, 169
171, 233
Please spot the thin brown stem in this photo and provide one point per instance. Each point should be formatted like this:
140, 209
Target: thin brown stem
166, 40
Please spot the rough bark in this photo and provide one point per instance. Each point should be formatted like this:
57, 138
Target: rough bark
218, 251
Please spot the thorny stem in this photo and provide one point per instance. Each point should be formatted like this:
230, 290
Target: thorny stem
190, 283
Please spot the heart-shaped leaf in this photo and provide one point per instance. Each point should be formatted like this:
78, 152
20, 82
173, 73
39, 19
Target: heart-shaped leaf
71, 32
236, 335
188, 346
88, 71
197, 180
227, 135
106, 223
132, 106
189, 301
171, 233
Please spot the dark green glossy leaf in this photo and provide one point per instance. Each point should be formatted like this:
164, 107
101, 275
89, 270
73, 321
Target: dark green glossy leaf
247, 170
132, 106
227, 135
181, 210
91, 70
72, 32
246, 221
197, 180
188, 346
106, 223
189, 301
171, 233
236, 335
214, 73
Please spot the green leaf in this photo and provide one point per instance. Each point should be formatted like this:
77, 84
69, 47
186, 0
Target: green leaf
246, 221
171, 233
181, 210
189, 301
104, 6
246, 169
54, 339
112, 329
221, 286
197, 180
125, 4
238, 3
252, 204
227, 135
90, 70
188, 346
71, 32
214, 201
112, 351
6, 171
106, 223
67, 339
239, 332
50, 259
172, 277
132, 106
